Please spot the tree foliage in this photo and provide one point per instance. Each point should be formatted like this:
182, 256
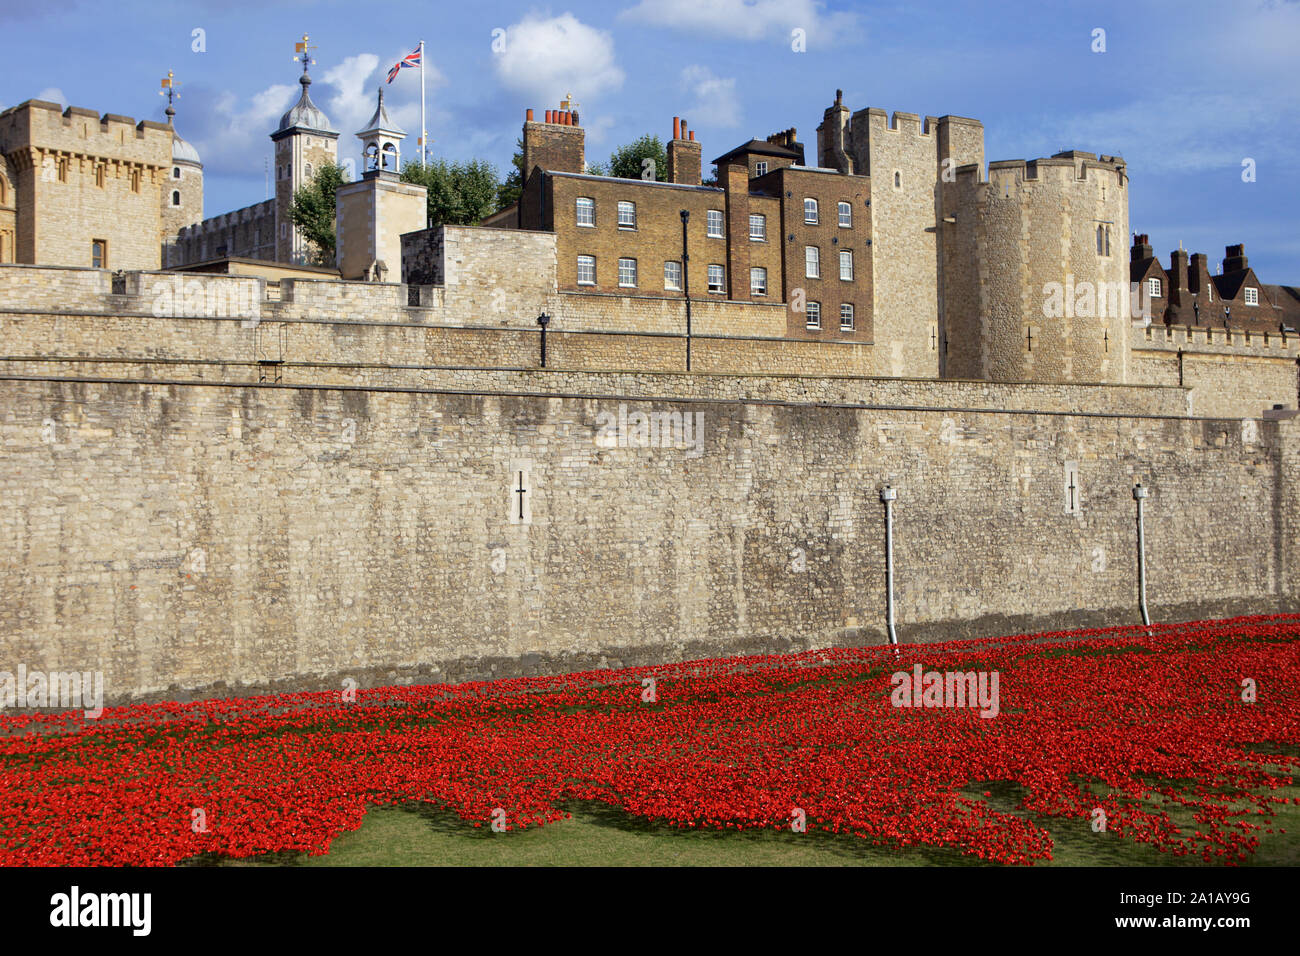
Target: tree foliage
312, 211
460, 193
513, 186
626, 162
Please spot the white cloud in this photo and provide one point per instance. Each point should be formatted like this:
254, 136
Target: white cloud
550, 57
230, 133
52, 94
353, 99
748, 19
715, 103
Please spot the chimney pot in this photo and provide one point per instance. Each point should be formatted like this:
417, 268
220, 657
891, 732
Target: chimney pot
529, 116
692, 136
677, 127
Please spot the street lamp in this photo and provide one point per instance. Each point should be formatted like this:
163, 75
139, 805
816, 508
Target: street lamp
543, 320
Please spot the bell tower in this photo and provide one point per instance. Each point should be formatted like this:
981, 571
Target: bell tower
371, 214
379, 142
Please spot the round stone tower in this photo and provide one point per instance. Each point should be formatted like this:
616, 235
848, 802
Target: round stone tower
1035, 281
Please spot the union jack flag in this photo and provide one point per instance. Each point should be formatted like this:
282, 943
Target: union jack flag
410, 60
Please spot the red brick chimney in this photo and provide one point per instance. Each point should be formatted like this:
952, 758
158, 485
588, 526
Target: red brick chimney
684, 159
557, 145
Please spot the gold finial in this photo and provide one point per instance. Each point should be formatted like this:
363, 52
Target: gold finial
568, 103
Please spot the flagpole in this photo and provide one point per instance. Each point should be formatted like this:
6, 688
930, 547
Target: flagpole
424, 133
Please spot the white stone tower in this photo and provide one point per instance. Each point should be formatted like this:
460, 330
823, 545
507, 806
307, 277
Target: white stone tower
304, 142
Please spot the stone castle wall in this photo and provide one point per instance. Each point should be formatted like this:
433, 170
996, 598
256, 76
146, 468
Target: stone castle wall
207, 538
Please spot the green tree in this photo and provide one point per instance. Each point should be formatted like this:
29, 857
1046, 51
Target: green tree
626, 162
513, 185
460, 194
312, 211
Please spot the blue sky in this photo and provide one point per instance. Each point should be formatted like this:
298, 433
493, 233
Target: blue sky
1185, 91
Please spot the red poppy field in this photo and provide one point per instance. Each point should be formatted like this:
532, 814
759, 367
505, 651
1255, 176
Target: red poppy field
1153, 727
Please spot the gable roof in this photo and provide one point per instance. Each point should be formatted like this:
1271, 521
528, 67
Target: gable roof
762, 148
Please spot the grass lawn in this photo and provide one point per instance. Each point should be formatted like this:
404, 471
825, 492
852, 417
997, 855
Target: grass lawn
422, 835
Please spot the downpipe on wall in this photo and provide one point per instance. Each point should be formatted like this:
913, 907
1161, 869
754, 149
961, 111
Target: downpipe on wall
888, 495
1139, 495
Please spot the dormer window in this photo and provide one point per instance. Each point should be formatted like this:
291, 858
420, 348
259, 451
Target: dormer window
1252, 296
1153, 288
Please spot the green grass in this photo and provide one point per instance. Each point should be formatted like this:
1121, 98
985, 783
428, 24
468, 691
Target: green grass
423, 835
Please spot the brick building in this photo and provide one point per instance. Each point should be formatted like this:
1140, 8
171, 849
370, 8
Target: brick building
1187, 294
772, 231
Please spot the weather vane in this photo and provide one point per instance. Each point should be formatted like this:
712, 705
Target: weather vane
302, 48
568, 103
169, 90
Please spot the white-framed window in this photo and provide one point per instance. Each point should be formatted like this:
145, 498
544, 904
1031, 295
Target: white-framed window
627, 273
586, 270
846, 266
1252, 295
1153, 288
757, 227
846, 215
846, 317
626, 214
813, 315
673, 276
812, 262
810, 211
713, 223
717, 278
585, 211
757, 281
760, 168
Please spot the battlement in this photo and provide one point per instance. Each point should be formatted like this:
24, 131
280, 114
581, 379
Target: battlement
235, 217
77, 131
1067, 167
913, 123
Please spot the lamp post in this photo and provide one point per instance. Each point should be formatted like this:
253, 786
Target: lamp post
543, 320
686, 285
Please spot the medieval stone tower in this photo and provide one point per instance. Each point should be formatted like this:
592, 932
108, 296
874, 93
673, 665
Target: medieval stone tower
304, 142
1035, 285
182, 192
906, 159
